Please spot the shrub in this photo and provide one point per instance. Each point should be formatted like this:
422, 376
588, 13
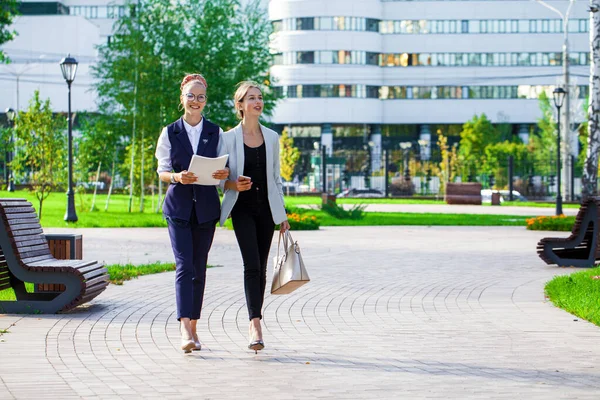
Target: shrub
356, 212
552, 223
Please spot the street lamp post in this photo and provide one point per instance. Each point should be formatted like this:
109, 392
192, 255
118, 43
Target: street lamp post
559, 96
11, 115
405, 146
68, 66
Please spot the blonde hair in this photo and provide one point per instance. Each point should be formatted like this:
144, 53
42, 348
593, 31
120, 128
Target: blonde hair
240, 93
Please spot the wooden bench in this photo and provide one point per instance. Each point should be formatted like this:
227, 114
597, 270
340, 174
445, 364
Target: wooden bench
581, 249
25, 257
463, 193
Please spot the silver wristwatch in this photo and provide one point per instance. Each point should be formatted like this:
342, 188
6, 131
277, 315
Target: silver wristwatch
173, 178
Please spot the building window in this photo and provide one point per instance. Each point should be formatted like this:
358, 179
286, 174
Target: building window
305, 24
530, 92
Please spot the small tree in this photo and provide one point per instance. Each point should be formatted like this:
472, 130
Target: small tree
476, 136
8, 10
41, 142
289, 156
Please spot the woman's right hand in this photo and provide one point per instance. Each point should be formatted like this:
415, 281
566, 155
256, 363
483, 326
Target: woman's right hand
242, 184
185, 177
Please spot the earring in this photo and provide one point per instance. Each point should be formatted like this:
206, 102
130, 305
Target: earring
180, 107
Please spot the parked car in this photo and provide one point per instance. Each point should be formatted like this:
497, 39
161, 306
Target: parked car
486, 195
361, 193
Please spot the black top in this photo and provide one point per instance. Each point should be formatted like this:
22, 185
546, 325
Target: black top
255, 167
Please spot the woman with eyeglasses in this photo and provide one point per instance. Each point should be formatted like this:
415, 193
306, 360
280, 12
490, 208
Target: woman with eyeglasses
191, 211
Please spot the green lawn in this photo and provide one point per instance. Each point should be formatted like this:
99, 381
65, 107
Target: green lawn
118, 216
53, 211
578, 293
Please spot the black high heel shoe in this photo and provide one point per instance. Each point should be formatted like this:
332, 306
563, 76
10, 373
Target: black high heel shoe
255, 345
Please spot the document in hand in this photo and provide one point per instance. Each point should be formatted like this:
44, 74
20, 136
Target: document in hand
203, 168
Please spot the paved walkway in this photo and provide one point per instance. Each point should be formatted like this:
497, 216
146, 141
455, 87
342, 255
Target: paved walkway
391, 313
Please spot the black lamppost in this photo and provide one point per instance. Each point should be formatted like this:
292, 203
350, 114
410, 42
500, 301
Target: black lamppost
11, 115
68, 65
559, 96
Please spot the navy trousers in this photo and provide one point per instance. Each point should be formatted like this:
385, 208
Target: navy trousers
191, 243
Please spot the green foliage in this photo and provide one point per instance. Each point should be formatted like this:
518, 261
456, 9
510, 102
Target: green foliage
42, 148
495, 159
289, 155
551, 223
577, 293
155, 45
97, 143
542, 145
8, 10
476, 136
356, 212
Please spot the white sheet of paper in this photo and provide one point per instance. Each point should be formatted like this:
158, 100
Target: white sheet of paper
203, 168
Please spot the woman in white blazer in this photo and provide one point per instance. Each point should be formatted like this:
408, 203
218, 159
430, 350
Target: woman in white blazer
253, 197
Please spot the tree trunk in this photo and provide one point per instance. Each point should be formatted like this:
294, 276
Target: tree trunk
112, 179
590, 172
95, 187
142, 146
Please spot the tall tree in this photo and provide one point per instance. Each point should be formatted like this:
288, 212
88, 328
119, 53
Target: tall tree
41, 140
156, 44
8, 10
590, 171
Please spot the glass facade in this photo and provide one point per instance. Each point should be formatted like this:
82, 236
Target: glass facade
530, 92
98, 12
521, 59
423, 26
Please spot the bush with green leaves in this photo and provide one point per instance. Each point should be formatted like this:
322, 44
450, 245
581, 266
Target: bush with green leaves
355, 213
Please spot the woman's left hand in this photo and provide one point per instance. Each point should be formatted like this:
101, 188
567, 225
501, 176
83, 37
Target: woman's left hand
221, 174
284, 226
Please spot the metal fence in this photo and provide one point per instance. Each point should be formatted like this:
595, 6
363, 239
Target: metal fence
405, 173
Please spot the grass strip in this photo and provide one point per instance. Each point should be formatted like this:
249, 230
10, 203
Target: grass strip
577, 293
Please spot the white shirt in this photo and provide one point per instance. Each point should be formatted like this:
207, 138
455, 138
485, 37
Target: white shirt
163, 147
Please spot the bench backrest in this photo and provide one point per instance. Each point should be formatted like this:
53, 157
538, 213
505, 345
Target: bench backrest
24, 230
470, 188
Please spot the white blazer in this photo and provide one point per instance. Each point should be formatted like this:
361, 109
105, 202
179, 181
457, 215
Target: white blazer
232, 143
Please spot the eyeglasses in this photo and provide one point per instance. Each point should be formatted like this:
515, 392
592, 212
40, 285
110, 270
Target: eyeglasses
191, 97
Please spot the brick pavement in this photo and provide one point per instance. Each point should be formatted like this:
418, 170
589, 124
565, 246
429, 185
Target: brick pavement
391, 313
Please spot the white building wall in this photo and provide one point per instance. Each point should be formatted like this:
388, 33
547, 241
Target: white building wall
413, 111
36, 57
41, 42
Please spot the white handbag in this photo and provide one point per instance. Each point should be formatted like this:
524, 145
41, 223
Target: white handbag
289, 272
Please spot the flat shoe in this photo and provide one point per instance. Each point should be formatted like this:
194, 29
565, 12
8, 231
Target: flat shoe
187, 345
197, 344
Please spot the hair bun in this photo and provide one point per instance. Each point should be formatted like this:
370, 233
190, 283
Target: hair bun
191, 78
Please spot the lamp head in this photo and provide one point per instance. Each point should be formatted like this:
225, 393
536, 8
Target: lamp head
10, 114
68, 66
559, 96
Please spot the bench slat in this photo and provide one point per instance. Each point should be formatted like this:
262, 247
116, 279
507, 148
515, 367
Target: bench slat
9, 216
16, 210
25, 232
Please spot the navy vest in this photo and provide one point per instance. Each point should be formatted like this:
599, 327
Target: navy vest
181, 198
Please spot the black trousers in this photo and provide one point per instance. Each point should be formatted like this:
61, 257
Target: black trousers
254, 228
